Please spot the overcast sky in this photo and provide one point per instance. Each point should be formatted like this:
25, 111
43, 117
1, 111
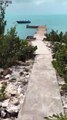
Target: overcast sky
38, 7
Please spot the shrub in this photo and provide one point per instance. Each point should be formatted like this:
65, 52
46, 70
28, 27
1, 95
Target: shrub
12, 48
54, 36
57, 117
64, 87
27, 52
59, 48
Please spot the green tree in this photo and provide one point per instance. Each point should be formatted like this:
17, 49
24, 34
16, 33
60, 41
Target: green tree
3, 5
12, 48
59, 48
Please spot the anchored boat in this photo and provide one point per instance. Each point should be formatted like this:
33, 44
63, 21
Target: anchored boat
31, 26
24, 22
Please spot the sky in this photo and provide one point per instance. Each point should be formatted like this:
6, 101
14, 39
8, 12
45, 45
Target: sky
38, 7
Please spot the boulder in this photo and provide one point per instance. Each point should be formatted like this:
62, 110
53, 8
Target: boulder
3, 114
7, 76
5, 103
13, 110
65, 106
14, 101
15, 74
27, 76
21, 98
26, 69
25, 82
24, 73
11, 89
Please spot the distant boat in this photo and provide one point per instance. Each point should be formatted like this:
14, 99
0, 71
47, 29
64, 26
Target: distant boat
24, 22
31, 26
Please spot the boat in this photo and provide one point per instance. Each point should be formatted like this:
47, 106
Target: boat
24, 21
31, 26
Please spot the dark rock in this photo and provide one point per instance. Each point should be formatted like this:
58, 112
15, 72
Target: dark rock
25, 83
26, 70
61, 92
1, 73
21, 73
13, 80
14, 114
12, 111
7, 71
1, 78
13, 95
3, 114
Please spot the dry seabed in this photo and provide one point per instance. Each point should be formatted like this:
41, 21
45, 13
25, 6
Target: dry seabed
14, 80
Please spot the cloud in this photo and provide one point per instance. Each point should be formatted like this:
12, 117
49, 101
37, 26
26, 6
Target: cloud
38, 7
23, 1
36, 2
27, 1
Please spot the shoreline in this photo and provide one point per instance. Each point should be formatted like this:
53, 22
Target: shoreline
45, 19
16, 80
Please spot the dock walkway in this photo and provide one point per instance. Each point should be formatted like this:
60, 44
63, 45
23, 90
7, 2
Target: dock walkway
43, 95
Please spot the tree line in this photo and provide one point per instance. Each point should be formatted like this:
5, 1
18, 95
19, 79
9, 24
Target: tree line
12, 48
59, 50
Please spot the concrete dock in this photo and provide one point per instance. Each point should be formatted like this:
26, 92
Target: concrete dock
43, 94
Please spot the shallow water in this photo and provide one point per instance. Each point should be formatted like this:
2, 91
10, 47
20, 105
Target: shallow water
56, 22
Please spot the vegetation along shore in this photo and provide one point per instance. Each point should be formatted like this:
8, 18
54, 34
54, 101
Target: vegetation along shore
58, 43
16, 61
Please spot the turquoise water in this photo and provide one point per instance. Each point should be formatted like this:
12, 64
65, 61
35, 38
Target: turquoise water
56, 22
